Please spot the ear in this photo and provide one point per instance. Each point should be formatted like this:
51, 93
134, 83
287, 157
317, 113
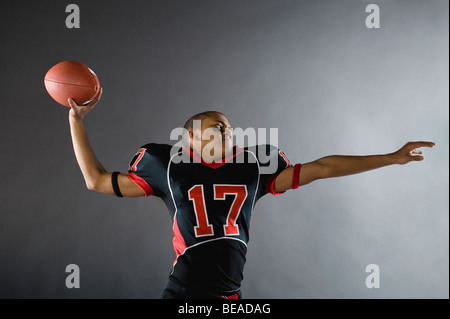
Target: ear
194, 137
191, 139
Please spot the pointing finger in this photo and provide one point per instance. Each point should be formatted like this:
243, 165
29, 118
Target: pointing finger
422, 144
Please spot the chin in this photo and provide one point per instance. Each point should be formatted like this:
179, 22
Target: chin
227, 151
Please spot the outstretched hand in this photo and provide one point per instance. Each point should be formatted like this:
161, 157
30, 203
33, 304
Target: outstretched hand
410, 152
79, 111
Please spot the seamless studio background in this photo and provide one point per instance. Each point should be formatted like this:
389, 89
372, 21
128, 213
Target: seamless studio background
309, 68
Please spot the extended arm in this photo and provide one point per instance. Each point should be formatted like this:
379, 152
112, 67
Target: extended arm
339, 165
95, 175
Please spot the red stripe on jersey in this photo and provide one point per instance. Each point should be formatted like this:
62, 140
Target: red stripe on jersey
236, 151
235, 296
270, 184
141, 183
296, 176
178, 242
285, 158
141, 153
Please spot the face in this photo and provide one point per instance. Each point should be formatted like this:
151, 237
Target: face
214, 141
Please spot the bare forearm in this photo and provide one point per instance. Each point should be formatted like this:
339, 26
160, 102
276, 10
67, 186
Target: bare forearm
91, 168
341, 165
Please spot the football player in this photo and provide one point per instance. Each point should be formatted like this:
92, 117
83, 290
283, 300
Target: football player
210, 188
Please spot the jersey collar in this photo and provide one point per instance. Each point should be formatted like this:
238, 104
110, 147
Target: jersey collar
214, 165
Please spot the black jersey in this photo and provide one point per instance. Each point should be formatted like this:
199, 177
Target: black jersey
211, 206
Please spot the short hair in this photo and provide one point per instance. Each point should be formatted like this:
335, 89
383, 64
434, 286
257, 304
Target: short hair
200, 116
189, 125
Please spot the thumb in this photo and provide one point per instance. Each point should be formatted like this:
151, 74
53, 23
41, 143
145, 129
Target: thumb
72, 103
416, 158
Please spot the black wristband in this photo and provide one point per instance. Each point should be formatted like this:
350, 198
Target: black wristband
115, 184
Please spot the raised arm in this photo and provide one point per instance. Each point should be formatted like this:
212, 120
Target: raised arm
339, 165
95, 175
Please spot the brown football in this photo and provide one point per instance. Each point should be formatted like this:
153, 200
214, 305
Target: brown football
72, 79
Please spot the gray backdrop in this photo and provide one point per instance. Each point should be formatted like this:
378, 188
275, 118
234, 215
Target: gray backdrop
309, 68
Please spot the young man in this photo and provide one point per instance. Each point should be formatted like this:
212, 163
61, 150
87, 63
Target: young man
212, 194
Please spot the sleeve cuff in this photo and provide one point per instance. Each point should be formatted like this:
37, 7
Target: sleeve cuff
270, 184
141, 183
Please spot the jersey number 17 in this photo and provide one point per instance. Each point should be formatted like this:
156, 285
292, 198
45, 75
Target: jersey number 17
204, 228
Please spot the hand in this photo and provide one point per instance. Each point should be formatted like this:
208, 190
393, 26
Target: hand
410, 152
79, 111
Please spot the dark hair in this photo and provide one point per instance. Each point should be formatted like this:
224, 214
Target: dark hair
190, 123
200, 116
